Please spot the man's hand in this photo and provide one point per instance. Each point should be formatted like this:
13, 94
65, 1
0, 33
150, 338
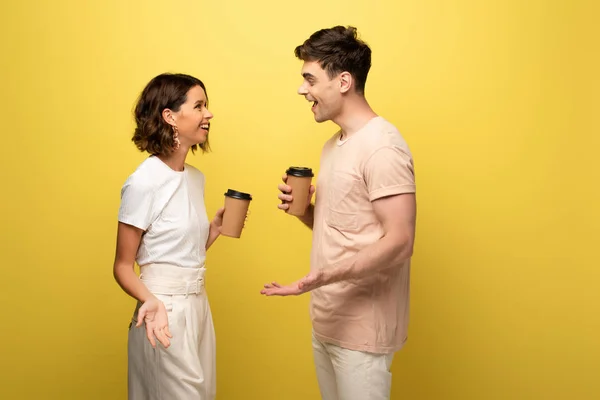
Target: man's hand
310, 282
285, 196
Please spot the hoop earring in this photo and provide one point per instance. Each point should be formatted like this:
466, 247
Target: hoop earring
176, 141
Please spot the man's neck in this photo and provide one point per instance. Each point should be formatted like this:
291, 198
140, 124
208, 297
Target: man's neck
355, 115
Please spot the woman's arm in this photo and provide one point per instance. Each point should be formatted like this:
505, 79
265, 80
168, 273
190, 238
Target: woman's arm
215, 227
153, 311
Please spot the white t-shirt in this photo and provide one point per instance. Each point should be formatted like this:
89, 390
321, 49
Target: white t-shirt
169, 206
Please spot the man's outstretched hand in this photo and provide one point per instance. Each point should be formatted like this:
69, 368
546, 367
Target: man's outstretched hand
311, 281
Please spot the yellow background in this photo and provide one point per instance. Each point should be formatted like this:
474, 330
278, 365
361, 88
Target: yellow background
498, 101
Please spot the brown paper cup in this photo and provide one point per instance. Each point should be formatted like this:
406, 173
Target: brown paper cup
234, 216
299, 178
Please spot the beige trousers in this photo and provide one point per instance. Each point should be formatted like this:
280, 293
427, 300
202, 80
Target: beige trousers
186, 369
351, 375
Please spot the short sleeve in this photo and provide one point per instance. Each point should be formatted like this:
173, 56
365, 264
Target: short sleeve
137, 201
389, 171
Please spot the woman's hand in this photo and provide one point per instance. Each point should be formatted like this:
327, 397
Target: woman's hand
154, 314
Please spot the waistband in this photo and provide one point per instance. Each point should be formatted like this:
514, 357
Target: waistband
169, 279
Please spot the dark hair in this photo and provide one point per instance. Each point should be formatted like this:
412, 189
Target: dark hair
338, 49
152, 133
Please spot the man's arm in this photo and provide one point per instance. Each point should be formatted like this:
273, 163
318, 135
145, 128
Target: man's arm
309, 216
397, 215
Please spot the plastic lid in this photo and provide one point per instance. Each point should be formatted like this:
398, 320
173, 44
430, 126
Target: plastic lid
300, 172
238, 195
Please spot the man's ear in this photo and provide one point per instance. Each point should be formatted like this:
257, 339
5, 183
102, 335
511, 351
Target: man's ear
346, 81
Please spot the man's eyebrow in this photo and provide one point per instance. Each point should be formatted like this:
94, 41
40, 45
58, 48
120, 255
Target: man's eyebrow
307, 75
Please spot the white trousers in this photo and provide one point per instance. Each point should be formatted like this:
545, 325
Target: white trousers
351, 375
186, 369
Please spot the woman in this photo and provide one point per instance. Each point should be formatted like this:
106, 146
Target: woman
164, 228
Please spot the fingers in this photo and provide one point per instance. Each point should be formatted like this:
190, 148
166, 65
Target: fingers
271, 292
220, 212
275, 292
140, 317
284, 178
272, 285
162, 337
274, 289
284, 188
285, 197
168, 332
311, 190
150, 336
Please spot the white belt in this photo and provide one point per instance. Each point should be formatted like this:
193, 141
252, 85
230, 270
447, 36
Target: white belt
171, 280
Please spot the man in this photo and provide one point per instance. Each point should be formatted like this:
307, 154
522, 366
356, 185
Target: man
363, 223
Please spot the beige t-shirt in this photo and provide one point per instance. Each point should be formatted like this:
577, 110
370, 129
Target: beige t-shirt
370, 314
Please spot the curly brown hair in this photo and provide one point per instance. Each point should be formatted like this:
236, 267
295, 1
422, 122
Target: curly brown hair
338, 49
152, 133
